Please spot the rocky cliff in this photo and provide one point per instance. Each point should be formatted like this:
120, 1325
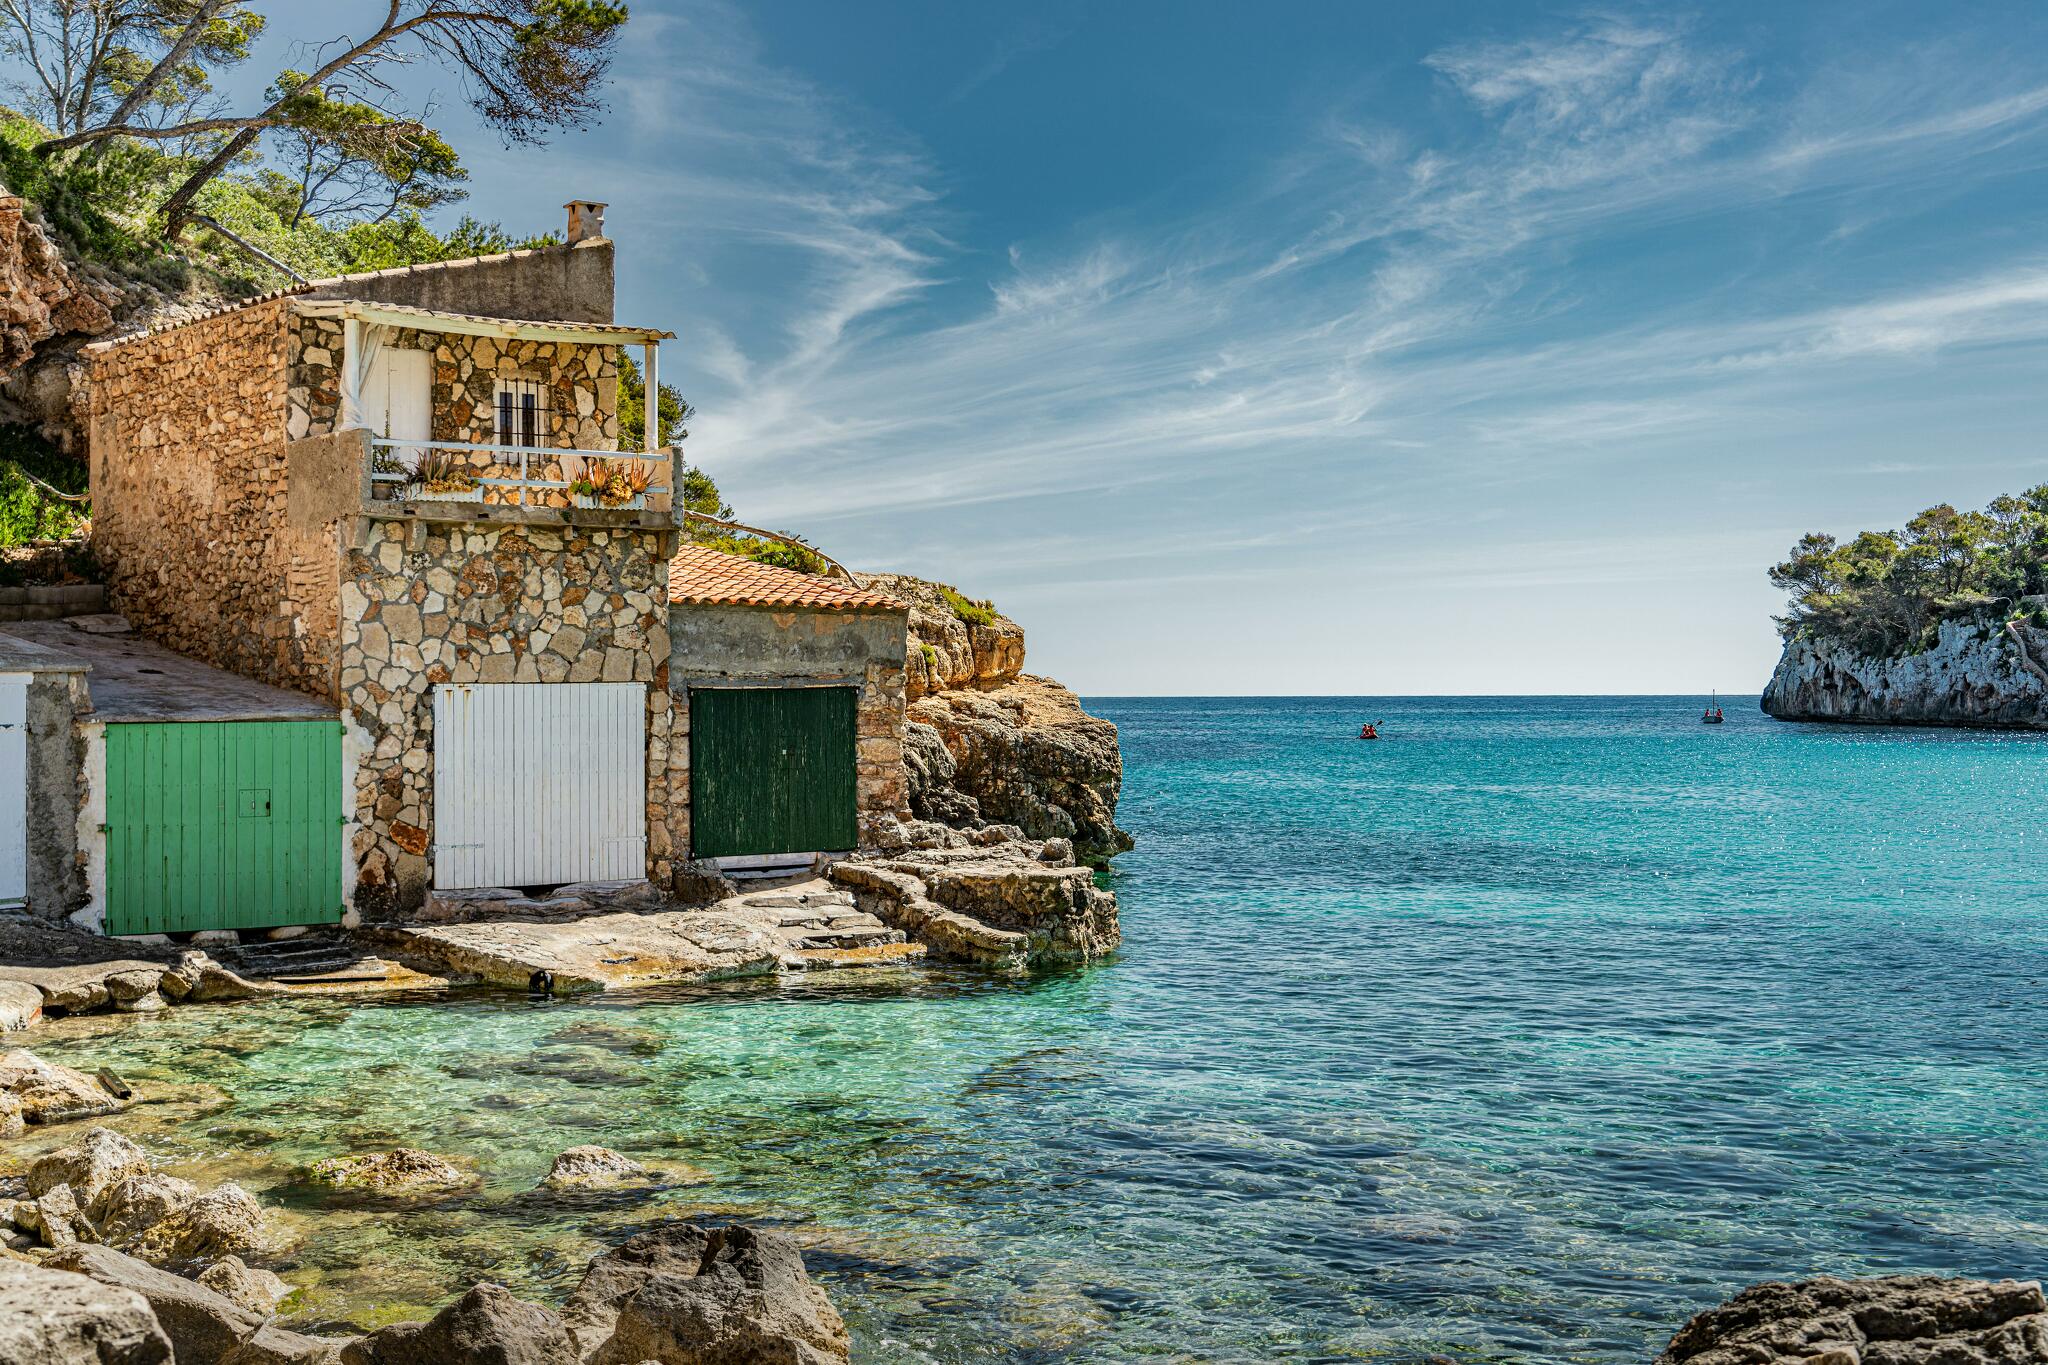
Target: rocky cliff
1978, 673
990, 745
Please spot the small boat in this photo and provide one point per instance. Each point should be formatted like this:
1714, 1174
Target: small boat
1369, 730
1712, 715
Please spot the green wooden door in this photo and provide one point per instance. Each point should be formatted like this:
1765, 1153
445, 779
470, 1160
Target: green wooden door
223, 825
771, 770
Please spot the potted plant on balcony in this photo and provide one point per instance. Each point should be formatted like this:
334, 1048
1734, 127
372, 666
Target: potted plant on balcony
439, 477
621, 488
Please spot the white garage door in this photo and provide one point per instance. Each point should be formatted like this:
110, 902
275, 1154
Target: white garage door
536, 784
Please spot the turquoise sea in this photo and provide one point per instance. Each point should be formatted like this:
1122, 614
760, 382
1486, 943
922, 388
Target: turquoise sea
1516, 1036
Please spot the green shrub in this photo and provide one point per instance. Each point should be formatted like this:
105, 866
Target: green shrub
931, 655
26, 512
972, 612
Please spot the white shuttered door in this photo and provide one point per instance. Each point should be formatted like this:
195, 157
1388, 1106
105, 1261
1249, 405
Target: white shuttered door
536, 784
13, 788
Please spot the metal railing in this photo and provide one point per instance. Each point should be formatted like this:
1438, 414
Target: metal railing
543, 479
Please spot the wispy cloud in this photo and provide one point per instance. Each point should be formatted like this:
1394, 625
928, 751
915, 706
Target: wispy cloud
1389, 319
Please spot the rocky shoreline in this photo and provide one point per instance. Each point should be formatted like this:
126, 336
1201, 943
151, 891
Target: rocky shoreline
1986, 674
109, 1261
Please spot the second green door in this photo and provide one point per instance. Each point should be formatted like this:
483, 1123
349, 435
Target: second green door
772, 770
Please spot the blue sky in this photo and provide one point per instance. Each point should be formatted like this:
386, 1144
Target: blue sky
1336, 347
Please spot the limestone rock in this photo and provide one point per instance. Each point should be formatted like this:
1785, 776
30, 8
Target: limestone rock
689, 1295
56, 1217
20, 1005
136, 1202
1978, 673
486, 1326
946, 651
603, 952
1027, 755
403, 1170
200, 1323
40, 297
248, 1287
1895, 1320
591, 1165
225, 1221
53, 1317
12, 1122
989, 904
49, 1093
96, 1160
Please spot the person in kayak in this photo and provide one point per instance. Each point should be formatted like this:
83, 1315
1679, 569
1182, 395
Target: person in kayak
1369, 731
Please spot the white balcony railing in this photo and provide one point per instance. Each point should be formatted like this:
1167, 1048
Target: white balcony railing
517, 476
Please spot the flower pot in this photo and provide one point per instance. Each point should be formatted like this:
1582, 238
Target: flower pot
453, 495
600, 505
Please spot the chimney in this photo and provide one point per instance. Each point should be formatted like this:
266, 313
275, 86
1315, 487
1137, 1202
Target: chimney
586, 219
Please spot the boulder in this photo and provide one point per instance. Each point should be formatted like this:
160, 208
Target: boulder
53, 1317
581, 1167
486, 1326
96, 1160
137, 1202
689, 1295
225, 1221
20, 1005
248, 1287
49, 1093
201, 1324
1022, 754
403, 1170
56, 1217
1894, 1320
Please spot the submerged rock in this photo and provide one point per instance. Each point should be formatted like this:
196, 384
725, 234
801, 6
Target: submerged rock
403, 1170
54, 1317
580, 1167
49, 1093
689, 1295
249, 1287
486, 1326
1894, 1320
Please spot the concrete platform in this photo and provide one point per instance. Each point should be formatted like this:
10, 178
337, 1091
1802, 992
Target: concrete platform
134, 679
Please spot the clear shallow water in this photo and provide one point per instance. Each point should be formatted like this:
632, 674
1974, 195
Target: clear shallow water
1518, 1035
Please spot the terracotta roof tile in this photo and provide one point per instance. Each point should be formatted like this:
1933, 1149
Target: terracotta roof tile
708, 578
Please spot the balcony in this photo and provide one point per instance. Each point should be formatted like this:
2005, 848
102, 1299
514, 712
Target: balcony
471, 481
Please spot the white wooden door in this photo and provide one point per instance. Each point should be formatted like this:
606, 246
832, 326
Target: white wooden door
536, 784
13, 788
400, 402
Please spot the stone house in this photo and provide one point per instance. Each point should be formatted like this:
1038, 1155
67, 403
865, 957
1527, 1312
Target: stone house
790, 688
402, 493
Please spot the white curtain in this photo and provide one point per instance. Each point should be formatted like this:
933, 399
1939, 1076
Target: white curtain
356, 363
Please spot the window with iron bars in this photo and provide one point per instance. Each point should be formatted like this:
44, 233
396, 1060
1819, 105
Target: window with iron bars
522, 417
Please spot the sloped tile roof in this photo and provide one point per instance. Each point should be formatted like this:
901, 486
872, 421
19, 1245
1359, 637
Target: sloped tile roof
705, 577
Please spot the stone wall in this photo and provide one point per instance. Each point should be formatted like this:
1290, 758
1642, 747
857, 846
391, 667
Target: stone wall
431, 603
189, 478
864, 649
545, 284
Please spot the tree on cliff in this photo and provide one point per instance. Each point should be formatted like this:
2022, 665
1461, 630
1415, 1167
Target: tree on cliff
88, 63
1885, 592
528, 67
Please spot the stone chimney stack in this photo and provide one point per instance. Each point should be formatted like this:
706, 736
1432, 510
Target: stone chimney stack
586, 219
